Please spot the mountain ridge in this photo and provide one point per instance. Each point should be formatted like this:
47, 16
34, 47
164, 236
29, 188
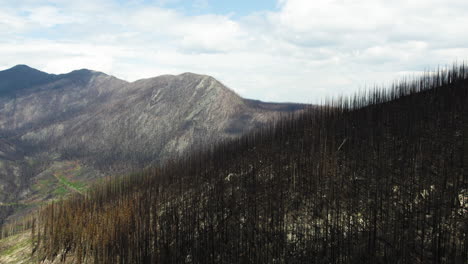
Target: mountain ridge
20, 68
89, 123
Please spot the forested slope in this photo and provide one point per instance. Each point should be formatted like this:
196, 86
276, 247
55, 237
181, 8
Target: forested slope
380, 178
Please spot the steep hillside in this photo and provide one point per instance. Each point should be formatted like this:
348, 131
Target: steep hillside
374, 179
105, 126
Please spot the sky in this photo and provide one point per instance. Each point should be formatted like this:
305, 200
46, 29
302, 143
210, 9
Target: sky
273, 50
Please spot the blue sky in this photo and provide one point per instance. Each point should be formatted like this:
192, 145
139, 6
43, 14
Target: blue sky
276, 50
237, 8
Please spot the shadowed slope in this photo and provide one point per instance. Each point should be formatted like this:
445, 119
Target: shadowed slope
21, 77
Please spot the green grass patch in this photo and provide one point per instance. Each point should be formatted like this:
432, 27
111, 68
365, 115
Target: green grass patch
60, 191
14, 244
78, 186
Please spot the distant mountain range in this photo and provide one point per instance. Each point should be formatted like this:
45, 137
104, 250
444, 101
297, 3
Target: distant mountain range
58, 133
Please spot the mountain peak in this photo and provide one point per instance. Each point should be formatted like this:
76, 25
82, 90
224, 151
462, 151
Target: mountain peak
193, 75
86, 71
21, 67
21, 77
81, 76
83, 73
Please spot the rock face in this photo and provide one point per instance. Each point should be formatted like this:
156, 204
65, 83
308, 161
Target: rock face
108, 125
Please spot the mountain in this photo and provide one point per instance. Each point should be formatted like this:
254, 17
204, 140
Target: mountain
21, 77
374, 179
58, 133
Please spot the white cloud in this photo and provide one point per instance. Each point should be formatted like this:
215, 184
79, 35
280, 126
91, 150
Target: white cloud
10, 23
48, 16
304, 51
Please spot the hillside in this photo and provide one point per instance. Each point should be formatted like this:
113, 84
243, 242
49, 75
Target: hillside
60, 133
373, 179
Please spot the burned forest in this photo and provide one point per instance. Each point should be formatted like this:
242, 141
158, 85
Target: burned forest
380, 177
